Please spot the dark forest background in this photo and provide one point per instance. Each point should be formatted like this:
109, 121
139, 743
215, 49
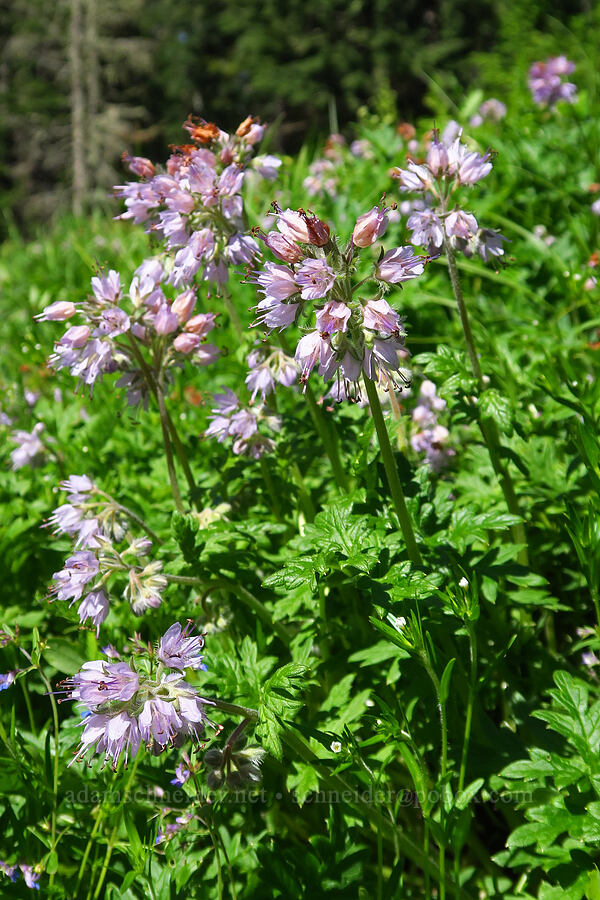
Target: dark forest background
83, 80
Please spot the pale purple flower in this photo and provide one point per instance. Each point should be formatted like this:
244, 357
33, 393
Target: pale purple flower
30, 876
116, 735
400, 264
77, 486
277, 281
112, 323
107, 288
488, 243
596, 207
313, 349
241, 249
333, 317
99, 682
30, 449
166, 320
260, 379
293, 225
315, 279
433, 443
379, 316
79, 570
94, 606
437, 158
144, 588
546, 84
7, 679
427, 229
181, 775
491, 110
267, 166
178, 650
10, 871
459, 224
159, 722
275, 314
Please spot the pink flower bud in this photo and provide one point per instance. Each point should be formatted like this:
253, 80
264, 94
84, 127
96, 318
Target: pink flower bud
437, 158
76, 336
183, 305
186, 342
139, 165
57, 312
369, 227
283, 247
201, 324
165, 320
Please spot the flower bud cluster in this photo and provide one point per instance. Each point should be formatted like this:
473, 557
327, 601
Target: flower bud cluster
232, 419
428, 436
97, 523
491, 110
196, 203
121, 328
349, 334
144, 699
546, 81
448, 166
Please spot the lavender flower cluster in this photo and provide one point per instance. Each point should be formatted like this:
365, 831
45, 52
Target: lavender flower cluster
449, 165
97, 523
546, 81
145, 699
350, 334
429, 437
196, 207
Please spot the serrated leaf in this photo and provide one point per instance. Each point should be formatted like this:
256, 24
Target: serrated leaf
492, 405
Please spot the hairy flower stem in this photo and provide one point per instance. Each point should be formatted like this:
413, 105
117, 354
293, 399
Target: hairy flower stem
56, 760
114, 834
155, 389
169, 452
488, 427
468, 721
444, 762
244, 595
392, 473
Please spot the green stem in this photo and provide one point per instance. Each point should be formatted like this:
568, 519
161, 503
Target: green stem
488, 427
444, 763
468, 721
249, 599
470, 704
266, 474
426, 854
303, 493
113, 837
234, 709
325, 430
155, 388
169, 452
233, 314
29, 707
328, 437
56, 760
392, 473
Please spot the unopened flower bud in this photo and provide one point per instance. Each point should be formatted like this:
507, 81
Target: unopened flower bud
213, 758
369, 227
318, 231
139, 165
57, 312
186, 342
183, 305
437, 158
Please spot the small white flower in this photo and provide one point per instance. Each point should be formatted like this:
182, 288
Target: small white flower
463, 583
336, 747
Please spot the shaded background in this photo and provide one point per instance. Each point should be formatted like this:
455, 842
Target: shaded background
83, 80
